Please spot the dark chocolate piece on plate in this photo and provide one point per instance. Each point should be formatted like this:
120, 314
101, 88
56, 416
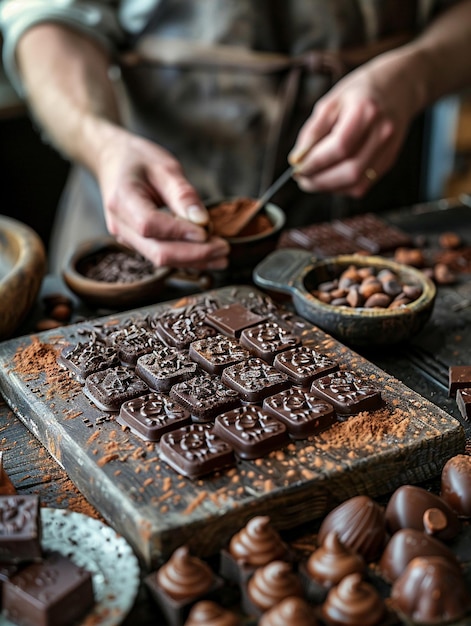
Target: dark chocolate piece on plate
109, 388
233, 318
20, 529
321, 239
83, 359
213, 354
267, 339
301, 412
459, 377
204, 396
152, 415
463, 400
303, 365
251, 431
55, 591
133, 341
254, 379
195, 450
165, 367
371, 233
347, 392
180, 328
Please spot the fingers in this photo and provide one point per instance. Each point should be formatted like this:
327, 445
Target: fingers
318, 126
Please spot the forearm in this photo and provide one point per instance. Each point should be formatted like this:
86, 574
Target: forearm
433, 65
69, 91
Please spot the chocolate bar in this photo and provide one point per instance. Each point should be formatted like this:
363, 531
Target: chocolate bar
20, 529
233, 318
110, 388
268, 339
302, 365
348, 393
165, 367
213, 354
83, 359
204, 397
254, 379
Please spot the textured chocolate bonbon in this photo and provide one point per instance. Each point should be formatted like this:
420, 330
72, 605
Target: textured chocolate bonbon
347, 392
109, 388
302, 365
165, 367
254, 379
86, 358
152, 415
195, 450
213, 354
205, 397
302, 412
250, 431
360, 524
267, 339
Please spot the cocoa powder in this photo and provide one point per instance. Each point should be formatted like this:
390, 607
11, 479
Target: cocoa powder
39, 359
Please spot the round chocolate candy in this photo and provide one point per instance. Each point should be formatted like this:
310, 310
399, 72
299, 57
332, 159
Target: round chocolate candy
456, 484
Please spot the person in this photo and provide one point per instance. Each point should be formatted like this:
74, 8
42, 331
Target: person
164, 104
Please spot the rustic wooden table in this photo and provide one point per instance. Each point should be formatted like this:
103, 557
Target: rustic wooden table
422, 365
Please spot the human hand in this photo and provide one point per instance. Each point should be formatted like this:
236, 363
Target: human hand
137, 178
356, 130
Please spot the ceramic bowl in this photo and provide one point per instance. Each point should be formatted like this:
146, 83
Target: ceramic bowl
118, 295
22, 268
298, 273
247, 251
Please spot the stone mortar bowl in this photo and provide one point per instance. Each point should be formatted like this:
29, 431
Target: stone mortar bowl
22, 268
298, 273
110, 295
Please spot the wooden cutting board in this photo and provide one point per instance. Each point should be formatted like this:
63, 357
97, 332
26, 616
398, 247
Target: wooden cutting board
408, 440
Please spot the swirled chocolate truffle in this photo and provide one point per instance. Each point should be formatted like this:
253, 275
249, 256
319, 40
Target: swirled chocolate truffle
456, 484
332, 561
289, 612
208, 613
255, 545
360, 525
269, 585
414, 507
353, 602
180, 583
431, 591
407, 544
258, 543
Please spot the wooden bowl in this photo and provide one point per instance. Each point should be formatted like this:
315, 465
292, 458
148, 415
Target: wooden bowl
117, 295
298, 273
22, 268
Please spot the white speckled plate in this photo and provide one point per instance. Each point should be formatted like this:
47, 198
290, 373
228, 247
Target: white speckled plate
96, 547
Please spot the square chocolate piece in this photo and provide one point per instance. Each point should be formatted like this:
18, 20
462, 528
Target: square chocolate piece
110, 388
195, 450
303, 365
152, 415
133, 341
459, 377
165, 367
266, 340
348, 393
204, 397
215, 353
83, 359
54, 592
179, 329
233, 318
251, 431
371, 233
463, 400
254, 379
20, 529
301, 412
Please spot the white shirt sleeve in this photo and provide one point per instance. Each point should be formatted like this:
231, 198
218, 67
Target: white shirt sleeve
98, 20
